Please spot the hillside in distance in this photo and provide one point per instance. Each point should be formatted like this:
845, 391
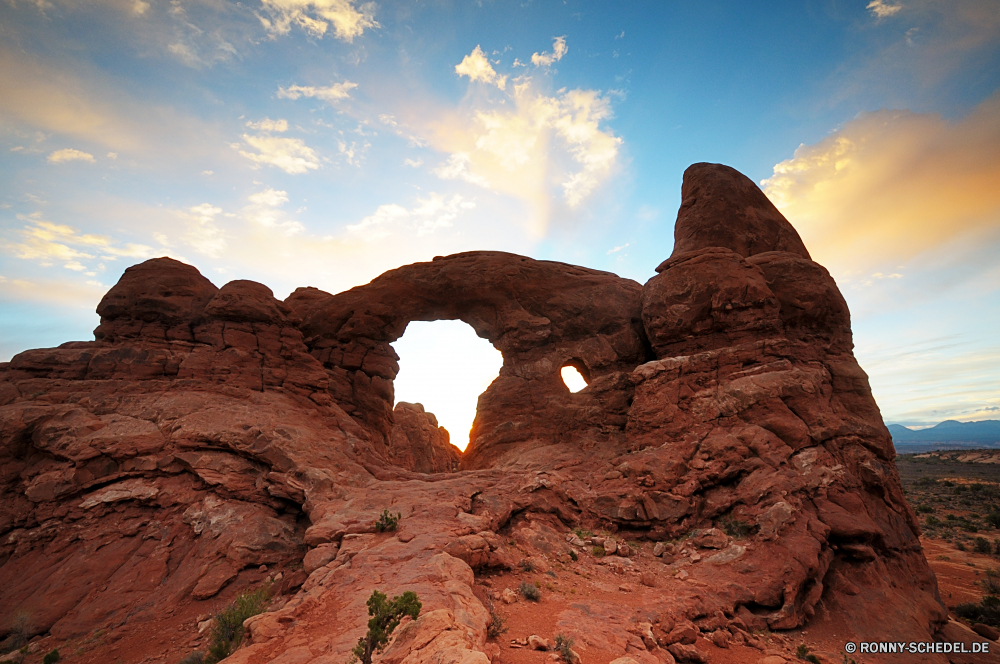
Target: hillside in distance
949, 433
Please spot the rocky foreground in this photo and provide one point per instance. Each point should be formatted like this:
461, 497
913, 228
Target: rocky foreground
726, 428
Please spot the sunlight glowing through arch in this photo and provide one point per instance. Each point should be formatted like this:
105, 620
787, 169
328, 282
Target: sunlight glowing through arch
445, 366
572, 378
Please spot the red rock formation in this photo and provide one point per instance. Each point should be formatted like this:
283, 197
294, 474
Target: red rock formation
207, 431
417, 442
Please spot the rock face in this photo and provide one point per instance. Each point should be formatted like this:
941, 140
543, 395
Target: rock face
418, 443
208, 431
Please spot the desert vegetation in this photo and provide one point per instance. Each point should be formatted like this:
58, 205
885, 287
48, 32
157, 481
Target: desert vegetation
385, 615
387, 522
954, 501
227, 625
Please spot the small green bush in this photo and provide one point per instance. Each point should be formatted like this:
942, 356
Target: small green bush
526, 565
530, 592
227, 626
51, 657
387, 522
932, 521
983, 545
802, 652
498, 624
564, 645
196, 657
923, 509
960, 546
993, 518
574, 557
598, 551
385, 617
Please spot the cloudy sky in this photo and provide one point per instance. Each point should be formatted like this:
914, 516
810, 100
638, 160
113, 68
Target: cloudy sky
322, 142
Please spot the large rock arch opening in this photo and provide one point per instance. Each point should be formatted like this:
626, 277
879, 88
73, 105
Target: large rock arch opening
539, 314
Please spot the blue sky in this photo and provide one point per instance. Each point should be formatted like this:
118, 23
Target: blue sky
322, 142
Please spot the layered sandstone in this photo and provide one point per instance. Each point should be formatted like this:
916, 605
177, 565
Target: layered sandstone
207, 431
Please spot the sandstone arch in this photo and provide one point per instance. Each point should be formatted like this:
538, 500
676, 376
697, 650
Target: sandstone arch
539, 314
207, 431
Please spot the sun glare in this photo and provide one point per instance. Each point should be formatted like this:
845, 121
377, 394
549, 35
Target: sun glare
445, 366
572, 378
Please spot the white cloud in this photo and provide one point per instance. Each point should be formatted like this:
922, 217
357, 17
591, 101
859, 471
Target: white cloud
427, 216
44, 241
559, 49
267, 124
75, 265
203, 235
349, 19
289, 154
617, 249
457, 168
880, 9
478, 68
330, 93
413, 163
263, 212
69, 154
269, 197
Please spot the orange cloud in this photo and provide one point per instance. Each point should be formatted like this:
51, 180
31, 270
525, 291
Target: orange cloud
890, 185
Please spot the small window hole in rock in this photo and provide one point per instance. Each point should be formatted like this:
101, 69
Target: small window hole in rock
445, 366
574, 375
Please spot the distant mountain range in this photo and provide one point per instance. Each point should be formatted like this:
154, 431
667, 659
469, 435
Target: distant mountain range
985, 433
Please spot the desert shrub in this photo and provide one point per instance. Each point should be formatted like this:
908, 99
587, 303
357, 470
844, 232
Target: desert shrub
498, 624
960, 546
19, 632
802, 652
983, 545
993, 518
991, 584
923, 509
51, 657
582, 533
387, 522
530, 591
986, 612
196, 657
227, 625
526, 565
574, 557
563, 646
932, 521
996, 548
598, 551
385, 617
926, 481
735, 528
